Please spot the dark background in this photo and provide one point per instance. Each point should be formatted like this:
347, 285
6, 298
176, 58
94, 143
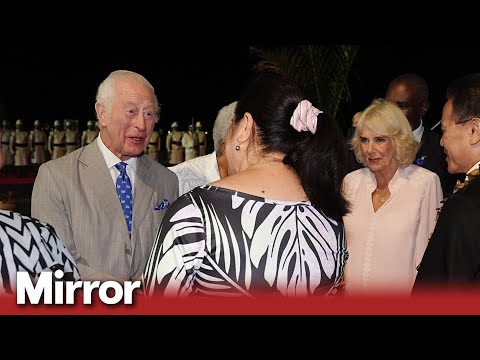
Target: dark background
48, 81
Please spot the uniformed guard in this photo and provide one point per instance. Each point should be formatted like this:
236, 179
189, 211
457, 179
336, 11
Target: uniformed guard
38, 141
56, 141
174, 144
202, 139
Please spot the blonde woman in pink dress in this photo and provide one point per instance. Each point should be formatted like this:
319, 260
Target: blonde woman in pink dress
393, 202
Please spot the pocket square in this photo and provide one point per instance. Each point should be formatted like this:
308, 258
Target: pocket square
163, 205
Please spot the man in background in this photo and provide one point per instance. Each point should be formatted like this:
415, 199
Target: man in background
57, 141
174, 144
410, 93
38, 143
7, 131
202, 139
205, 169
90, 134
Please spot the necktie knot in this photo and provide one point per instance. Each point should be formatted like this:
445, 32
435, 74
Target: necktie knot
122, 167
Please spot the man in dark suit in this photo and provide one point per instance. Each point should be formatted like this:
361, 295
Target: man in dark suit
410, 93
452, 257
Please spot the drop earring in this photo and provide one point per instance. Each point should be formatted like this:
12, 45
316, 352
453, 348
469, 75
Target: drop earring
237, 147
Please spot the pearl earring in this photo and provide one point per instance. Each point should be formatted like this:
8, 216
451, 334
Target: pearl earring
237, 147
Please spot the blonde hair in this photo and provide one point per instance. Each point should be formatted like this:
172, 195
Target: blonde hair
386, 119
355, 118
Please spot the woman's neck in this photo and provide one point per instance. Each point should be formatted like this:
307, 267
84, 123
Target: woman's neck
384, 177
222, 166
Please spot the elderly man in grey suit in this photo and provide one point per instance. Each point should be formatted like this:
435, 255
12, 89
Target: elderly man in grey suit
77, 193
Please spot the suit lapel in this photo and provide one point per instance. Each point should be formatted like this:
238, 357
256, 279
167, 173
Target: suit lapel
143, 195
99, 180
143, 190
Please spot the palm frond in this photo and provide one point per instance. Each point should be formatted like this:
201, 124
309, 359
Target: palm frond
323, 70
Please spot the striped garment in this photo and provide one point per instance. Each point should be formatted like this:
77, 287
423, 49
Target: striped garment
26, 244
219, 242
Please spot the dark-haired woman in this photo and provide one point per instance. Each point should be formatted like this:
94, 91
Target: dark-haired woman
274, 225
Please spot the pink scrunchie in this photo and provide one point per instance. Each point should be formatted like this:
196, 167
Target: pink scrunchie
304, 117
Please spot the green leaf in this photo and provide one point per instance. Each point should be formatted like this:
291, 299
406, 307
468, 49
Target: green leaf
323, 71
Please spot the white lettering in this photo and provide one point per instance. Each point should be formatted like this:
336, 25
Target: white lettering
116, 297
58, 287
65, 290
44, 285
128, 292
70, 290
88, 286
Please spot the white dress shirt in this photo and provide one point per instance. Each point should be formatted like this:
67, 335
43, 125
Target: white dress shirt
111, 160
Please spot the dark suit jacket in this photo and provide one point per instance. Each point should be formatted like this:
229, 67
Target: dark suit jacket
452, 257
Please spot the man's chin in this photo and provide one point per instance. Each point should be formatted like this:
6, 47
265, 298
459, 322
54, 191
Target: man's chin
453, 170
135, 152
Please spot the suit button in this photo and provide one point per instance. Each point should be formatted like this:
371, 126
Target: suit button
128, 251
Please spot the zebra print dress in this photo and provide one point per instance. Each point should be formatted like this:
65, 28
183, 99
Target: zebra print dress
219, 242
26, 244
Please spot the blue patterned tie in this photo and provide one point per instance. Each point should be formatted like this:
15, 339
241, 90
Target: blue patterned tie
124, 190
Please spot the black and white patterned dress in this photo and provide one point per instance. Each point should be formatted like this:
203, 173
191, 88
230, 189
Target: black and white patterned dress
26, 244
220, 242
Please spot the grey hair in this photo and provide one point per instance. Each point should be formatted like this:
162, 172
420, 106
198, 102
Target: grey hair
221, 125
106, 93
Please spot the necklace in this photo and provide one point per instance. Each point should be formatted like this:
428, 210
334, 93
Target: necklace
383, 197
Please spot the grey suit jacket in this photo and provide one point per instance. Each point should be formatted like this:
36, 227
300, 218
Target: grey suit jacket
75, 193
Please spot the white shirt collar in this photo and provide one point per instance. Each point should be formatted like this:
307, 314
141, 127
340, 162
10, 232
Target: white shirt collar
418, 132
472, 168
111, 160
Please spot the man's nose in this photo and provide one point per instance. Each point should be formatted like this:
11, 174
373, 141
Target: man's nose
139, 122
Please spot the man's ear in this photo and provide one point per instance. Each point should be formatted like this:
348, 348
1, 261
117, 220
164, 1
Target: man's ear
246, 127
474, 131
100, 110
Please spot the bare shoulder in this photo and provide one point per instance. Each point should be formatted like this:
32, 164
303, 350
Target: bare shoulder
271, 183
232, 182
